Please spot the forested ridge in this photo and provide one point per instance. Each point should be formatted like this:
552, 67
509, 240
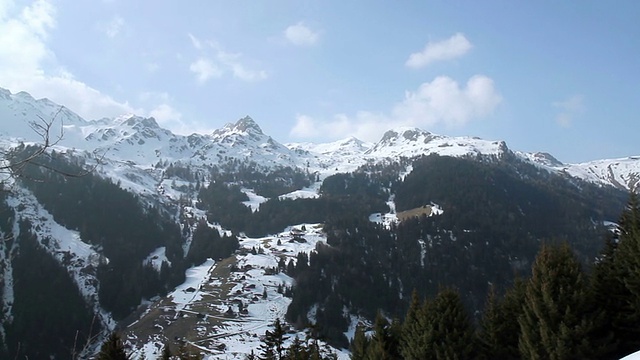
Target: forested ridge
120, 227
559, 311
502, 220
483, 237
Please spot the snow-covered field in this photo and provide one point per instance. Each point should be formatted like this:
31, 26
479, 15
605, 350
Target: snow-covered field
227, 305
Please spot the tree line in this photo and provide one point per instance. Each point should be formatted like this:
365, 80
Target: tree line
560, 312
493, 223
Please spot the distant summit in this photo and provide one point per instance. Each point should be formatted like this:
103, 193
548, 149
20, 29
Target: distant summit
245, 126
142, 141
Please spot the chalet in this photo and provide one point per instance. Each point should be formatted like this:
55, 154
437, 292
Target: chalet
295, 233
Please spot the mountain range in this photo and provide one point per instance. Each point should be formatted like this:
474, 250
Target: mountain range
237, 180
141, 141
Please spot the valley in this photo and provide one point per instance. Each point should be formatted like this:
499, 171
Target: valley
225, 306
204, 241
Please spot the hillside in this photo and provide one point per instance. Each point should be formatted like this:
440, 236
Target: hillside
133, 216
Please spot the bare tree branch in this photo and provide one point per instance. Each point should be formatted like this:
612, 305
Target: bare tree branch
13, 167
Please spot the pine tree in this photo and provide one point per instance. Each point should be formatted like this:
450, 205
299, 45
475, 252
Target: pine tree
559, 319
616, 287
272, 346
610, 295
452, 335
492, 327
499, 333
359, 344
382, 345
297, 350
630, 250
112, 349
415, 331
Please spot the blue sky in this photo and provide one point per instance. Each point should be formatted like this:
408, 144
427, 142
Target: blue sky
561, 77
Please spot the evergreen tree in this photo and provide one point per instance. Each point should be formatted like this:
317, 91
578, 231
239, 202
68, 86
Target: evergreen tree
359, 344
112, 349
452, 335
272, 346
297, 350
614, 283
383, 345
492, 328
559, 319
629, 254
499, 333
415, 331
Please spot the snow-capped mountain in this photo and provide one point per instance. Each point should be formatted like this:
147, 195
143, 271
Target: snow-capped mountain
621, 173
138, 155
411, 142
142, 142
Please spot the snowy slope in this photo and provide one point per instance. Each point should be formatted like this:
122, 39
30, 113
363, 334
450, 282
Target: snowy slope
135, 152
18, 110
340, 156
144, 145
621, 173
212, 299
66, 246
411, 142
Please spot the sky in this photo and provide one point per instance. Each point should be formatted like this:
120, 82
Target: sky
559, 77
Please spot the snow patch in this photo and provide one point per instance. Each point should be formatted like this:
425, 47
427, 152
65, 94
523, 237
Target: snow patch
157, 258
254, 199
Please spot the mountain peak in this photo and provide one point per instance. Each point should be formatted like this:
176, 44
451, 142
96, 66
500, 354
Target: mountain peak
546, 159
247, 124
352, 140
405, 134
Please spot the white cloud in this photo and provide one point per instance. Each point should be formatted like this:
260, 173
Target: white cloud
305, 127
301, 35
170, 118
204, 69
232, 61
158, 96
569, 110
164, 113
27, 63
439, 102
167, 115
363, 125
195, 42
214, 62
448, 49
444, 101
152, 67
113, 27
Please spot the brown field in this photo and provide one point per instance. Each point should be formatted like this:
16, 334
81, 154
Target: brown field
417, 212
161, 317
